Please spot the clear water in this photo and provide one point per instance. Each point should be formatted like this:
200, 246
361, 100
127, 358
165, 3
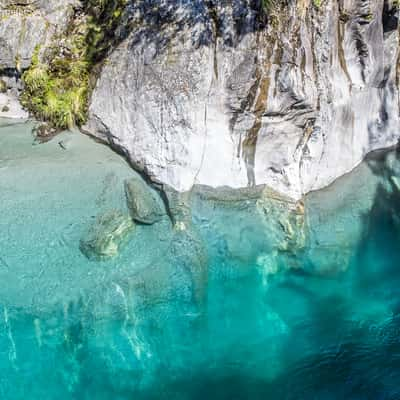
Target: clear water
220, 313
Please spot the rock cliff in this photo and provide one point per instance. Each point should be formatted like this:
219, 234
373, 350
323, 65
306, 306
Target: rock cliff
204, 92
291, 93
25, 24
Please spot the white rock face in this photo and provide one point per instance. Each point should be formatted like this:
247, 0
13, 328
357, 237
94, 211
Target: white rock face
205, 92
11, 108
24, 24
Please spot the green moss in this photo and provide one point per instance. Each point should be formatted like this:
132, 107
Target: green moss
317, 3
57, 84
268, 5
3, 86
104, 16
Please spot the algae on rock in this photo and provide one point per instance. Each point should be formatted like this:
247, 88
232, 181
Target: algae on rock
144, 203
107, 235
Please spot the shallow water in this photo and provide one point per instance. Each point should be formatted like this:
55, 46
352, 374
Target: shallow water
243, 306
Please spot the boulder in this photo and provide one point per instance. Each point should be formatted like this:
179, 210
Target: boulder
106, 236
145, 204
44, 132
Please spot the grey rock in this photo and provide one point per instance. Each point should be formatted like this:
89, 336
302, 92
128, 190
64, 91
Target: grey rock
10, 103
105, 237
209, 92
26, 24
214, 97
145, 204
179, 207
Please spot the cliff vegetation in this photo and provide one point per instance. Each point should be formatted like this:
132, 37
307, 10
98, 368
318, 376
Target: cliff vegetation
58, 83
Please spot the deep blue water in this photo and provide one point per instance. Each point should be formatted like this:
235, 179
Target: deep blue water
241, 306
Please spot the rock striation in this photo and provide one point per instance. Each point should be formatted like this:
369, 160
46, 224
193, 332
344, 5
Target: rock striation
144, 203
28, 23
212, 92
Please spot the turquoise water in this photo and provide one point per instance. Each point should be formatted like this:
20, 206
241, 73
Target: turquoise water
249, 302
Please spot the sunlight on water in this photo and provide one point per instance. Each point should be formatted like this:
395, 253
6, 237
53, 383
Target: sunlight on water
249, 299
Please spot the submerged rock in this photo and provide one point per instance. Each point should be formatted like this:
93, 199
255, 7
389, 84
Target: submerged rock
145, 204
189, 252
106, 236
179, 207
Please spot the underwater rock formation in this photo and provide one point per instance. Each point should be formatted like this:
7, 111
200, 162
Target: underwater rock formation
215, 306
145, 205
107, 235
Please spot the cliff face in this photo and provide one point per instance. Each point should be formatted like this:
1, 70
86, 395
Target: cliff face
202, 92
25, 24
214, 92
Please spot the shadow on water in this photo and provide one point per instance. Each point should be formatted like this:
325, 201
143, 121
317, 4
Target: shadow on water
377, 260
352, 371
365, 362
334, 350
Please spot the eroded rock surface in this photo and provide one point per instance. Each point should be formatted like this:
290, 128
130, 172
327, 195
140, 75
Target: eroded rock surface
226, 93
210, 92
145, 204
26, 24
107, 235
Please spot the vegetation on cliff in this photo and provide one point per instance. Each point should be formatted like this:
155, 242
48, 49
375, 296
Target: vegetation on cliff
59, 81
58, 84
268, 5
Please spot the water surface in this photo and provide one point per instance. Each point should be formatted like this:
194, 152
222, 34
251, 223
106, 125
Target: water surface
249, 303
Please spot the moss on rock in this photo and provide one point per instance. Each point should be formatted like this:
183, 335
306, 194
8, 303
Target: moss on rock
3, 86
58, 84
107, 235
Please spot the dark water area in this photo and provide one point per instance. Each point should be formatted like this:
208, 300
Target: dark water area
248, 301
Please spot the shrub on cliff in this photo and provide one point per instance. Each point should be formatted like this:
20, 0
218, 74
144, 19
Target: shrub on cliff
57, 90
57, 84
